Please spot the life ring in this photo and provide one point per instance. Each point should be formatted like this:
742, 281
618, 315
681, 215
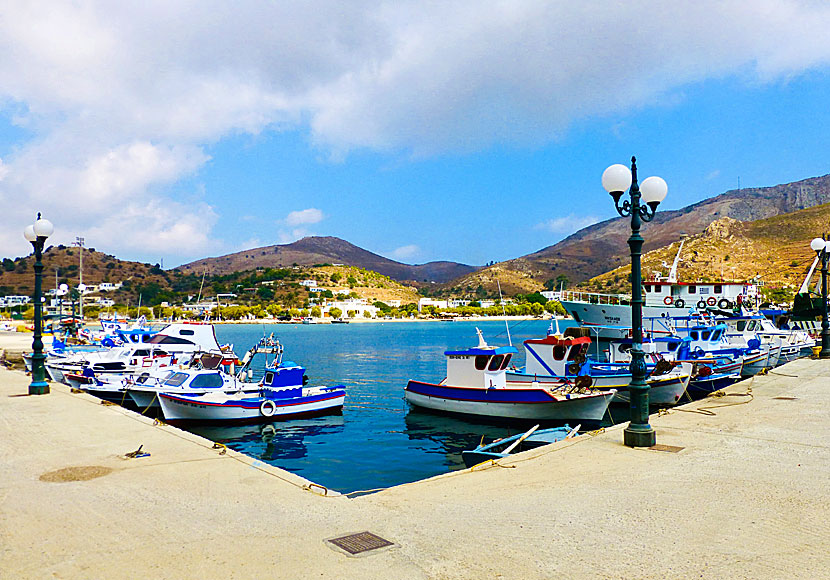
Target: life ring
668, 301
701, 304
697, 352
711, 301
268, 408
724, 303
679, 303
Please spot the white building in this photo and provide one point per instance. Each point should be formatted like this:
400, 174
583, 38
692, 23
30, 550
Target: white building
551, 294
357, 305
431, 302
108, 286
308, 283
457, 302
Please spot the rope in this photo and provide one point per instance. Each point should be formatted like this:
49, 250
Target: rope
150, 404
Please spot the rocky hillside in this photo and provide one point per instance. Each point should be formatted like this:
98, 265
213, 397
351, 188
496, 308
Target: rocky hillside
774, 251
602, 247
314, 250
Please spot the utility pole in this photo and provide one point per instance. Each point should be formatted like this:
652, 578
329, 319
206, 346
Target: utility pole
80, 243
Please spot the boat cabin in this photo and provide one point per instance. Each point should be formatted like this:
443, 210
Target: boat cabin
723, 295
553, 354
483, 366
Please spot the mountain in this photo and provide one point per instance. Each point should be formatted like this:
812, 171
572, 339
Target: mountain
326, 250
773, 251
603, 246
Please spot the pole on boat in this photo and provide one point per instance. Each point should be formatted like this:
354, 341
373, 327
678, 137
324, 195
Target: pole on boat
37, 234
822, 249
642, 207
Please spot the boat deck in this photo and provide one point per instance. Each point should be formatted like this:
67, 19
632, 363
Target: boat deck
745, 496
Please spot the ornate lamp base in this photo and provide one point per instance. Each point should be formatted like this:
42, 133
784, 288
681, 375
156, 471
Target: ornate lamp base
39, 388
633, 437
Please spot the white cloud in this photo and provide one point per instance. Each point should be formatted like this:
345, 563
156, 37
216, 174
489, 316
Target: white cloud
713, 175
119, 101
405, 252
567, 224
304, 216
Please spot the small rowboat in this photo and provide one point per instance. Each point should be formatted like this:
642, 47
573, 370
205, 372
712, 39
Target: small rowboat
520, 442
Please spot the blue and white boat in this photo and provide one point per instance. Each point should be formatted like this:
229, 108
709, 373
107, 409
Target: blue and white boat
555, 357
476, 384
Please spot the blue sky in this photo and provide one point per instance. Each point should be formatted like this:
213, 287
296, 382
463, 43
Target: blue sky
419, 131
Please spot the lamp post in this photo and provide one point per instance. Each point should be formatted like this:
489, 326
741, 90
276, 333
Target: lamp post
37, 234
81, 290
822, 248
641, 206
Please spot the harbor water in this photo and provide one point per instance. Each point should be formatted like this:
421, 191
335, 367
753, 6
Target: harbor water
378, 441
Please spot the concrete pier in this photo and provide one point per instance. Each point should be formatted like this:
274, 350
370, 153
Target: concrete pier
747, 496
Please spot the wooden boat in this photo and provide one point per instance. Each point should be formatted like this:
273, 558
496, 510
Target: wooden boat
531, 439
476, 385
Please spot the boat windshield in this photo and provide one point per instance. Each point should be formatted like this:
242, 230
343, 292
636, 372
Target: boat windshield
481, 362
175, 380
495, 362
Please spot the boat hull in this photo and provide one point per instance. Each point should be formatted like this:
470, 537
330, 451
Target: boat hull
181, 408
536, 404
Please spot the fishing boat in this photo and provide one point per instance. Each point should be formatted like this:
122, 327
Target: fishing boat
566, 356
531, 439
476, 384
272, 404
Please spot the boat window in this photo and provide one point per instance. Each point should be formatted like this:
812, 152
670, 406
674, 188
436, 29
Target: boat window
673, 346
207, 381
175, 380
269, 378
186, 332
692, 289
161, 339
559, 352
693, 335
506, 362
146, 338
718, 288
495, 363
741, 325
481, 362
751, 325
716, 335
647, 287
141, 352
705, 335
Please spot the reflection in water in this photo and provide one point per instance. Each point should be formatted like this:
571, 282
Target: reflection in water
272, 441
378, 441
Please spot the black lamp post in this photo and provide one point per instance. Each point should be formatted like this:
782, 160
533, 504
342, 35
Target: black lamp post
37, 234
822, 248
641, 207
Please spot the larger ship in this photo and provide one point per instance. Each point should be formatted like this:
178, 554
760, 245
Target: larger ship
609, 315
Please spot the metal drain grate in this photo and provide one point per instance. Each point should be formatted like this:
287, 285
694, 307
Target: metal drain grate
359, 543
667, 448
785, 398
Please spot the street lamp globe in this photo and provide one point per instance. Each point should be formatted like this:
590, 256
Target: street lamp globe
29, 233
617, 178
654, 191
63, 289
81, 288
818, 244
43, 228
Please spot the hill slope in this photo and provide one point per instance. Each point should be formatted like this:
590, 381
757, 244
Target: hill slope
602, 247
321, 250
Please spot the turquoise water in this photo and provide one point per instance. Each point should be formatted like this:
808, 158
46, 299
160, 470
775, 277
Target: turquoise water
378, 441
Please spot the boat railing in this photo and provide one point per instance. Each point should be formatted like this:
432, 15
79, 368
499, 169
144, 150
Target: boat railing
595, 297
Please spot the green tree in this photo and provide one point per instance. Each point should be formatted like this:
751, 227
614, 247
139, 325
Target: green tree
336, 277
335, 312
315, 312
367, 314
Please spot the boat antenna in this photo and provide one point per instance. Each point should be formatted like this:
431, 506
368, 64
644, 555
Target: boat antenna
805, 286
506, 326
481, 342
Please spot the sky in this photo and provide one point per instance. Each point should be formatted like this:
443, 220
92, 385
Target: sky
166, 131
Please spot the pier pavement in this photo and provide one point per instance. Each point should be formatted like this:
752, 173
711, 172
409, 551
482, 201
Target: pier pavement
747, 496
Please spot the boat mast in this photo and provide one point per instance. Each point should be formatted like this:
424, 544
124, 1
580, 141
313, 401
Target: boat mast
672, 278
506, 326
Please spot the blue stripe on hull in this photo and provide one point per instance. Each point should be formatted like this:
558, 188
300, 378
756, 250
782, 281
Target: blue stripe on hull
480, 395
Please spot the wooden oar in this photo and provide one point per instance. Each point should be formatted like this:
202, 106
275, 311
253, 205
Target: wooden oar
520, 439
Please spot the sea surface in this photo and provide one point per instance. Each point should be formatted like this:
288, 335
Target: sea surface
378, 441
